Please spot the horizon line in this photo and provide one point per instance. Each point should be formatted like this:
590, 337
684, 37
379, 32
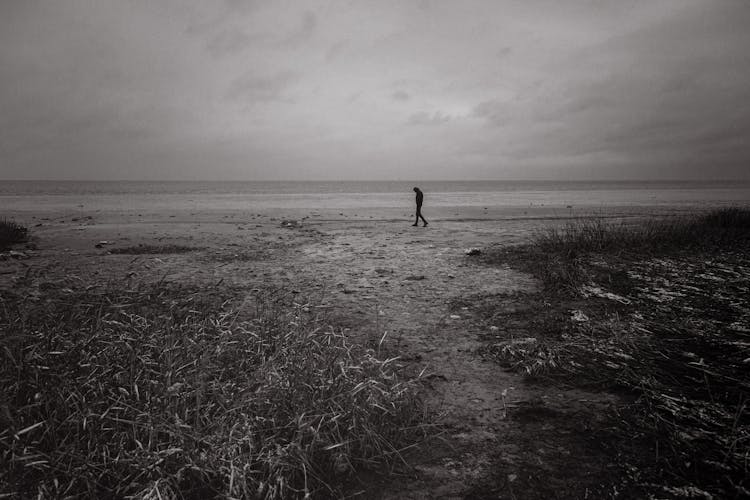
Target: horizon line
380, 180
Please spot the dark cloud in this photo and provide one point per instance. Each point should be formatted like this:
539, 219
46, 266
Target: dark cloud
223, 40
400, 95
302, 33
503, 52
232, 41
425, 118
335, 50
495, 112
262, 88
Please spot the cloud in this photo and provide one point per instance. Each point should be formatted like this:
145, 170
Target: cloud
633, 84
257, 88
495, 112
505, 51
302, 33
400, 95
225, 38
425, 118
335, 50
232, 41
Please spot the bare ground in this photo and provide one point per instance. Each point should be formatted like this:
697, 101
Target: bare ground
494, 435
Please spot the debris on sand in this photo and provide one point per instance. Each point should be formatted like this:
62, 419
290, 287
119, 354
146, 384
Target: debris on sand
415, 277
597, 291
14, 254
577, 316
518, 341
472, 251
102, 243
290, 223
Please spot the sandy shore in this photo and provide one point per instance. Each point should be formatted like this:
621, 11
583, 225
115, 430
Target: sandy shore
379, 277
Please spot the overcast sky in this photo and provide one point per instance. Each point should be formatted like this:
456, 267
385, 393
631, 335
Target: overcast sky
237, 89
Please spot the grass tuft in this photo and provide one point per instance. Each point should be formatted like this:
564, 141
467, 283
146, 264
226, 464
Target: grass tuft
558, 255
167, 392
595, 235
11, 232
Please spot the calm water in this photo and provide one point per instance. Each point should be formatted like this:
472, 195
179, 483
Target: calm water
342, 187
29, 196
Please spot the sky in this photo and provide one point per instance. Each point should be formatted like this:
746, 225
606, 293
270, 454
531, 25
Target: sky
374, 90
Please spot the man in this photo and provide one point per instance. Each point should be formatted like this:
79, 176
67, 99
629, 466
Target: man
420, 197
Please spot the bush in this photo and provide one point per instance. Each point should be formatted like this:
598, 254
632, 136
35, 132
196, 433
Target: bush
11, 232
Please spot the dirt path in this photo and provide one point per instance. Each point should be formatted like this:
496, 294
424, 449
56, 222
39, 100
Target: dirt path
501, 437
401, 281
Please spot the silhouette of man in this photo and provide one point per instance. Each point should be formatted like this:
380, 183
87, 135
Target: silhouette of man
420, 198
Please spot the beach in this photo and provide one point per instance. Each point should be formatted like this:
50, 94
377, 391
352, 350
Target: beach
354, 254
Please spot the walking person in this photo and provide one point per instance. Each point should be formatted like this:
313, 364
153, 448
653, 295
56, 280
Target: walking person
420, 198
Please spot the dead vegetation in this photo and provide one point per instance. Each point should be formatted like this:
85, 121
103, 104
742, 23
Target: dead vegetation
11, 233
159, 391
142, 249
660, 313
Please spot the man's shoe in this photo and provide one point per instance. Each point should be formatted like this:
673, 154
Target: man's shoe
425, 225
415, 224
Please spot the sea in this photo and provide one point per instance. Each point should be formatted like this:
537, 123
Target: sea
50, 196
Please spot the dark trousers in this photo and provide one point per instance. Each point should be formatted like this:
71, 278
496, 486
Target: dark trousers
419, 215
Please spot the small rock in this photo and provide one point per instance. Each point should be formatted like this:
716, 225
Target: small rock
455, 316
14, 254
415, 277
473, 251
494, 328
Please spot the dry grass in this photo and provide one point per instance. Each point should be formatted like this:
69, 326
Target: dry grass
595, 235
665, 318
11, 232
558, 255
165, 392
153, 249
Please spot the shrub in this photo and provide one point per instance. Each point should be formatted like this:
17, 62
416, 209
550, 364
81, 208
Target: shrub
11, 232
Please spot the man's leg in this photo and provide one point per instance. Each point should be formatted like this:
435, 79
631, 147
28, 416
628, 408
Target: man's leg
416, 221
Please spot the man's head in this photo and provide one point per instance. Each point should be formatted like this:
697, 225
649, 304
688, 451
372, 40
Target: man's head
416, 189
